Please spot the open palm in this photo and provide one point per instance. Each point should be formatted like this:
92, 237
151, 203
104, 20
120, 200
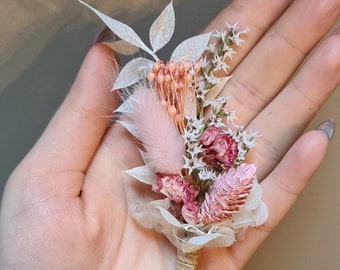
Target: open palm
65, 205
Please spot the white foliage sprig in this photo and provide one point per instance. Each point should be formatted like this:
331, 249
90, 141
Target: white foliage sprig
134, 71
160, 33
162, 29
191, 49
123, 47
142, 173
122, 30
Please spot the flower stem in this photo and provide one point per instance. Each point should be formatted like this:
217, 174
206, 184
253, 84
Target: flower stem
187, 261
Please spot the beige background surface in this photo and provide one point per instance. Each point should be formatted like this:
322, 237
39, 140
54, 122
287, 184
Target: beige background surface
42, 44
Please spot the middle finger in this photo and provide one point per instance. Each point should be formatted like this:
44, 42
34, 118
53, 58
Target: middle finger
272, 62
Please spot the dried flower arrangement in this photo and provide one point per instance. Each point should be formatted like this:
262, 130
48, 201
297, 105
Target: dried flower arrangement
193, 150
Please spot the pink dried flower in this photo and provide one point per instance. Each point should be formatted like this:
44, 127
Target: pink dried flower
228, 193
219, 148
190, 212
209, 135
175, 187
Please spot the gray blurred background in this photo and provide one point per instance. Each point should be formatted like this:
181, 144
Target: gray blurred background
42, 44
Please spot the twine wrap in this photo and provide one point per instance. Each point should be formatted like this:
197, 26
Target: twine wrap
187, 261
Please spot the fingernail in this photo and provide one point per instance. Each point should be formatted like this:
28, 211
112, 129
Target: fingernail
336, 31
327, 127
105, 35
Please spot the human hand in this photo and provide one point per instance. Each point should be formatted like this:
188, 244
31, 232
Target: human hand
65, 205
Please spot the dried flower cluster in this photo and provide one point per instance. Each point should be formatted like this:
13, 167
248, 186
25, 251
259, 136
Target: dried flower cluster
212, 149
193, 151
173, 83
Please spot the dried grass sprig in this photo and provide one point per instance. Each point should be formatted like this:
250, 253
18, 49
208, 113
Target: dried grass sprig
163, 144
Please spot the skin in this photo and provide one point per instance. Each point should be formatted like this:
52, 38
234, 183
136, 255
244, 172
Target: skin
65, 207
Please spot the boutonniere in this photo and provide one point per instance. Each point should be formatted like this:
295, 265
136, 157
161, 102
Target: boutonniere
193, 150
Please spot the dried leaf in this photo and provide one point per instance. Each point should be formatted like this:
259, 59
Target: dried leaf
147, 213
191, 49
169, 217
124, 108
217, 88
226, 238
255, 196
143, 174
143, 155
193, 229
190, 106
261, 214
123, 47
197, 242
203, 239
243, 218
129, 126
163, 28
134, 71
122, 30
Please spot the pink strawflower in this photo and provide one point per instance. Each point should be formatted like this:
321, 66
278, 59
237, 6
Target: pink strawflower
219, 148
228, 193
209, 135
175, 187
190, 212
